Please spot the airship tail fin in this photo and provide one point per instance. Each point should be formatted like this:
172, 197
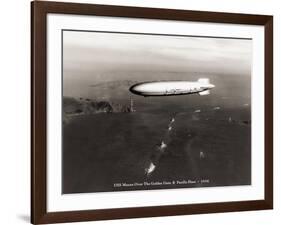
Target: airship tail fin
207, 92
204, 80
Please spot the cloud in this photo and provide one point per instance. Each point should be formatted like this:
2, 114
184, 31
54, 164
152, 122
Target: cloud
94, 53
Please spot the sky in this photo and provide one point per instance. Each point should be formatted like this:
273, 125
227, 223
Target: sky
91, 58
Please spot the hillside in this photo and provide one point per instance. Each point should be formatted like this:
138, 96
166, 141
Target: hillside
73, 107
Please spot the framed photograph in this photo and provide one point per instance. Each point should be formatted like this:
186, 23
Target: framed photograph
143, 112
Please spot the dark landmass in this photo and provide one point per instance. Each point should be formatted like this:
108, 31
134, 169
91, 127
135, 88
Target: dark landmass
85, 106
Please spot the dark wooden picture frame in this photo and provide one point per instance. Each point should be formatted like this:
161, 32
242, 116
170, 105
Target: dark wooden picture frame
40, 9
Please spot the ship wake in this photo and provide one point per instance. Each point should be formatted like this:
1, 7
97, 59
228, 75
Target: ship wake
160, 149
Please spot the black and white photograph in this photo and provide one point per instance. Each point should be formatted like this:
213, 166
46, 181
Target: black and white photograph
154, 111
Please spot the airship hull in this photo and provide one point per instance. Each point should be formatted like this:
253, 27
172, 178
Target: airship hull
170, 88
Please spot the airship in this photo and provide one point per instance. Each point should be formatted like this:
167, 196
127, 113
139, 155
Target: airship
165, 88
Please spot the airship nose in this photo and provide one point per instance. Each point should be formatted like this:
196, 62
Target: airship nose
135, 89
211, 85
